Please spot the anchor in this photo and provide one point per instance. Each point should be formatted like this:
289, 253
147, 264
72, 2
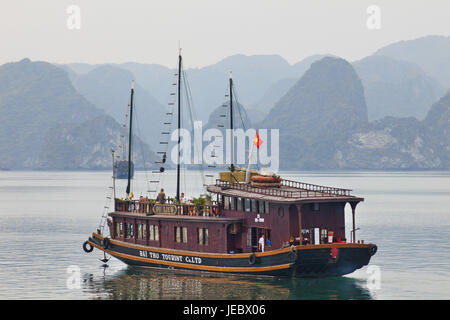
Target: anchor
104, 260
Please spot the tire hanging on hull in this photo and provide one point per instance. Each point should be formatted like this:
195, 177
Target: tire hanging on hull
85, 248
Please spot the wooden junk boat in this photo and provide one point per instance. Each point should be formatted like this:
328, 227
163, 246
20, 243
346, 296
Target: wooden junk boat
303, 226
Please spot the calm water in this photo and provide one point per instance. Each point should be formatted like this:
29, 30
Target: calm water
46, 216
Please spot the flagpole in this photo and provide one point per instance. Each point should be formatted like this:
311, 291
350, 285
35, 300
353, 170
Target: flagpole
247, 173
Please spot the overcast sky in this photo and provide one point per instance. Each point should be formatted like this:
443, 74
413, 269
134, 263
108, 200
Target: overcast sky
148, 31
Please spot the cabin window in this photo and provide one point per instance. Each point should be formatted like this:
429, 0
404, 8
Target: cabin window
254, 205
200, 235
156, 233
266, 205
261, 206
203, 236
227, 203
129, 230
232, 203
181, 234
239, 204
247, 205
153, 233
141, 231
316, 207
184, 234
249, 237
119, 229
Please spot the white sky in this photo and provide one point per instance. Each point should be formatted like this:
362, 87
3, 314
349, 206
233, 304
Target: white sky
148, 31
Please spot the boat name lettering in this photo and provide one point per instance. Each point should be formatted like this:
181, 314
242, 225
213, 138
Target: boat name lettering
196, 260
172, 257
169, 257
149, 254
164, 209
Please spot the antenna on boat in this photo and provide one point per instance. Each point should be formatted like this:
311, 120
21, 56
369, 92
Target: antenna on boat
129, 139
231, 122
179, 124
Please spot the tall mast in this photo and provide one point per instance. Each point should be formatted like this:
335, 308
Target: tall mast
129, 139
231, 123
179, 125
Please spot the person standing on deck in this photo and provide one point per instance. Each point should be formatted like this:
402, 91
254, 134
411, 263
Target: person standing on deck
161, 198
261, 243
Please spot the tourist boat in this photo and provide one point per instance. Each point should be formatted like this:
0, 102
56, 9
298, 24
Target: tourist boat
303, 226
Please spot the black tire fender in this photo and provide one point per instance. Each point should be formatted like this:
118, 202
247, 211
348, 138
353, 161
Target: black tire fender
85, 247
252, 258
292, 255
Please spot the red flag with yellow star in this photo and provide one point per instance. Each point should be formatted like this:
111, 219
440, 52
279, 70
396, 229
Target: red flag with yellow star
257, 140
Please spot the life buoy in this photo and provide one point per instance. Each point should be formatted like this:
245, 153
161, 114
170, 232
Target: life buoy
265, 179
252, 258
265, 184
106, 243
85, 244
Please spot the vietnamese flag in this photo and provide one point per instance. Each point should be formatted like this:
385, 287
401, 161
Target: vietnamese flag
257, 141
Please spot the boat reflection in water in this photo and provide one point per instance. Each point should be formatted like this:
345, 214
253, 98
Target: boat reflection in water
136, 284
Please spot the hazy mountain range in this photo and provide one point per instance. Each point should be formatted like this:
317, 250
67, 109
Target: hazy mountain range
48, 124
386, 111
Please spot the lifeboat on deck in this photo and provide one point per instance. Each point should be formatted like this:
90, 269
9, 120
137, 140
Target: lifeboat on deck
265, 181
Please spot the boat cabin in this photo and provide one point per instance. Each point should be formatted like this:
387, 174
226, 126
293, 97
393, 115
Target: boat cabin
294, 213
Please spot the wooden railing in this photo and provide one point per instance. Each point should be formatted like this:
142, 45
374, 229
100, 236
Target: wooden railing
303, 190
183, 209
316, 188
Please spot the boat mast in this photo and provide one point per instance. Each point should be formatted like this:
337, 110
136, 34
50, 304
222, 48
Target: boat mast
179, 125
231, 123
129, 139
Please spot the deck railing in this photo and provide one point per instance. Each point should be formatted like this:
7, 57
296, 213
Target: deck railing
184, 209
302, 190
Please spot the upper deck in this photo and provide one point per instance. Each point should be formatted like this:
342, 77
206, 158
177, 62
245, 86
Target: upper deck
289, 191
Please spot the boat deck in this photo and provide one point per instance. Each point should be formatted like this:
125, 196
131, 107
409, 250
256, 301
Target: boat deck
289, 191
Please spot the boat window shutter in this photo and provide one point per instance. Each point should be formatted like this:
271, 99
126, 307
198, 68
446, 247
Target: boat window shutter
261, 206
239, 204
156, 233
206, 237
254, 206
227, 203
200, 235
247, 205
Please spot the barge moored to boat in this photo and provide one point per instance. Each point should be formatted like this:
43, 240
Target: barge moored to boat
305, 224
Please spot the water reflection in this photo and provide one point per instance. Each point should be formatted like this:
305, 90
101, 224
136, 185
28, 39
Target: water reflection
138, 284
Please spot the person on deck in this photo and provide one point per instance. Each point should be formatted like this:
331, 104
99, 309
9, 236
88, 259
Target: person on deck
261, 243
183, 198
161, 198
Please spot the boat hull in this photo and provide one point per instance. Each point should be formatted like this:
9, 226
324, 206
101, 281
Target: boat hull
298, 261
